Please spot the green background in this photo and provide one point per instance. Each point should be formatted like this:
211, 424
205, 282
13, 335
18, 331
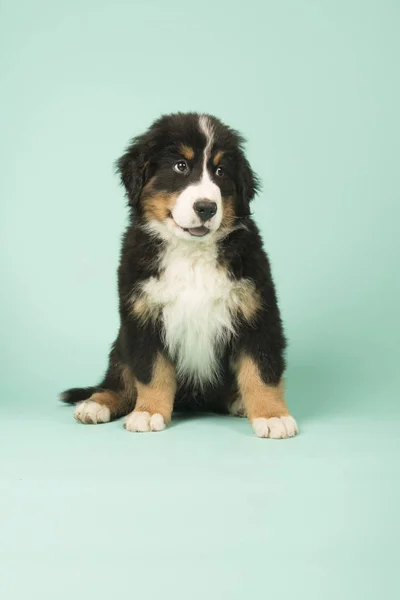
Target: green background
204, 509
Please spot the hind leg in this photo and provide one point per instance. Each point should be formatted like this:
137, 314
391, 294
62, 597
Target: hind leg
104, 404
101, 407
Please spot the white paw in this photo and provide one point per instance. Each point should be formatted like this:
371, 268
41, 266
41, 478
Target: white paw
144, 421
90, 411
275, 427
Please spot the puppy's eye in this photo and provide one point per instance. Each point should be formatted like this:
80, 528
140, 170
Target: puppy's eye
219, 171
181, 166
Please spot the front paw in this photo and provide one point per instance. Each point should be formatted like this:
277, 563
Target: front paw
144, 421
275, 427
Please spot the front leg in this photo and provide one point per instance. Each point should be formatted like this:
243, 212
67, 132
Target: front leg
259, 358
155, 399
153, 375
264, 402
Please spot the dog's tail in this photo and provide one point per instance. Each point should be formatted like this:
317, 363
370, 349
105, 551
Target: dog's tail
74, 395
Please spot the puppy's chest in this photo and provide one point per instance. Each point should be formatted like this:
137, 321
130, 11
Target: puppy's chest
193, 290
197, 302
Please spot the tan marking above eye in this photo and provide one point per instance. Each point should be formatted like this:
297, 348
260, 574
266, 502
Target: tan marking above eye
217, 158
186, 151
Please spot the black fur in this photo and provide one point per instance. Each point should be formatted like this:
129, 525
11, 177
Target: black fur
240, 251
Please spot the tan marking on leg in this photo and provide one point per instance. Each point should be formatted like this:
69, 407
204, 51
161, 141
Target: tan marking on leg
122, 402
265, 404
103, 406
158, 396
261, 400
107, 398
119, 404
217, 158
186, 151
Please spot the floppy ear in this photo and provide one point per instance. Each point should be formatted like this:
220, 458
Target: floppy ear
248, 185
132, 168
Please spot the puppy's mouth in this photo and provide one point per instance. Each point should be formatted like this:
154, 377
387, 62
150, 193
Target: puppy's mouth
200, 231
197, 231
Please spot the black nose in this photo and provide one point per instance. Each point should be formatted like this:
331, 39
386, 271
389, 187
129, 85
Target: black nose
205, 209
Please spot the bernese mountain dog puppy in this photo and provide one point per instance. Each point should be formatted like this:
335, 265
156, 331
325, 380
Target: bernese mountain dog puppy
200, 326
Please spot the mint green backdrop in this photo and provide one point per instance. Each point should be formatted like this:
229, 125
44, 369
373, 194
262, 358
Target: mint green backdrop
204, 509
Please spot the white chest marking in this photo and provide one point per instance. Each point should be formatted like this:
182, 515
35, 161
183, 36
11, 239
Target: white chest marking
197, 301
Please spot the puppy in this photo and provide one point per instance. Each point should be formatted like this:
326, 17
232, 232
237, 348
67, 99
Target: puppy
200, 326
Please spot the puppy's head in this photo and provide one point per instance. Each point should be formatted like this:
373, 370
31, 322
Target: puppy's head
187, 176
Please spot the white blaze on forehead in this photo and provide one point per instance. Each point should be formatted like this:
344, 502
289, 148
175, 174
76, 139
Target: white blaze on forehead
208, 130
205, 189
